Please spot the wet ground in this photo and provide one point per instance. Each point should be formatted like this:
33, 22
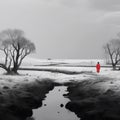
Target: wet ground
46, 100
90, 103
17, 103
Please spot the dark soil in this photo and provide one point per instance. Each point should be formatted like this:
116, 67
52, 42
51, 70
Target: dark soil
89, 103
17, 103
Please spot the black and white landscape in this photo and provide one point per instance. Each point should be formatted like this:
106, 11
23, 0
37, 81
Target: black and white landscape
60, 91
49, 52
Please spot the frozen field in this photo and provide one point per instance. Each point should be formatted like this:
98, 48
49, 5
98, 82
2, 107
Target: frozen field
60, 73
36, 84
61, 62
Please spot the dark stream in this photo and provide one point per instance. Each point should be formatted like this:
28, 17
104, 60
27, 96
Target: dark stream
43, 100
53, 107
40, 100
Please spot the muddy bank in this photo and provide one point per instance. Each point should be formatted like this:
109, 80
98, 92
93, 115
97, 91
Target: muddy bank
17, 103
89, 102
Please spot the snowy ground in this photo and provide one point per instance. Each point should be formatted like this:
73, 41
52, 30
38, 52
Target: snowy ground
88, 73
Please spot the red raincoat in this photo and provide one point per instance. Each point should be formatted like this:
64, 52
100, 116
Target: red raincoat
98, 68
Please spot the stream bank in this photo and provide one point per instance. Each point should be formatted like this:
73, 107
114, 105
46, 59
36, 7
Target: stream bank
17, 103
96, 98
91, 102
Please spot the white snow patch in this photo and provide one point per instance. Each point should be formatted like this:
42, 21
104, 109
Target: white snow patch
30, 76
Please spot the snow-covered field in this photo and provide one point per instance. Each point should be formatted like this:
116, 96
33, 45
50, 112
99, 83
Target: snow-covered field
29, 76
61, 62
68, 65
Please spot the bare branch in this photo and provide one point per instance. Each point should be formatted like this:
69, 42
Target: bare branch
15, 47
112, 48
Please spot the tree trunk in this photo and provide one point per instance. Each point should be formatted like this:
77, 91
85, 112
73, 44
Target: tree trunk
114, 66
14, 70
10, 71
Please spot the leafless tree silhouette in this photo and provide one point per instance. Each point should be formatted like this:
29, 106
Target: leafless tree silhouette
112, 49
15, 47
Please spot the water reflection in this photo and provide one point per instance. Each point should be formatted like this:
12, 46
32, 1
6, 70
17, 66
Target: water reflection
53, 107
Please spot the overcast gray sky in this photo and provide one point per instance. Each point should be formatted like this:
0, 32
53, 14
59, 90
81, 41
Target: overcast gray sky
63, 28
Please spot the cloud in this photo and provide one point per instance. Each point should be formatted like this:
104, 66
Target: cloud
72, 3
110, 11
106, 5
67, 3
111, 18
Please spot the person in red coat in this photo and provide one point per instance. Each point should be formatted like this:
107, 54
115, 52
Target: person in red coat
98, 67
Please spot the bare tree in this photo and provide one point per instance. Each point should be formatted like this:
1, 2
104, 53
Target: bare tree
112, 49
15, 47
